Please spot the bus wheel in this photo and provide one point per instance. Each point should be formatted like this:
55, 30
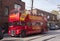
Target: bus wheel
42, 31
23, 33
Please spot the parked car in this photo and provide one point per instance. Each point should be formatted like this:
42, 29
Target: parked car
53, 26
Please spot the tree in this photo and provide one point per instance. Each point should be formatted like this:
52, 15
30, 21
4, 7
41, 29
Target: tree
55, 12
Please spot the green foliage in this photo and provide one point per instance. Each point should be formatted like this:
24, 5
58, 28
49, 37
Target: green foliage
55, 12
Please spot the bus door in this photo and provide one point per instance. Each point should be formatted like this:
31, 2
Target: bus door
29, 27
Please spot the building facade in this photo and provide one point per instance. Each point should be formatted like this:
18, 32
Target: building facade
49, 16
7, 5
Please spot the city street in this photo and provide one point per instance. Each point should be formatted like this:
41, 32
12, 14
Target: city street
52, 35
23, 17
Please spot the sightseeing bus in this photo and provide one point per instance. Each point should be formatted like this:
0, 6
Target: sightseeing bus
22, 24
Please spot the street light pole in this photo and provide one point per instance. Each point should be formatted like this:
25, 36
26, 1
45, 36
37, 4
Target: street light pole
31, 6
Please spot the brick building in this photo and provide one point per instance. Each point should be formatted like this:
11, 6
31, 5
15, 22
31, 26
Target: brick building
49, 16
6, 6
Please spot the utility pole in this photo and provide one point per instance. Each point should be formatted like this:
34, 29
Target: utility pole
31, 6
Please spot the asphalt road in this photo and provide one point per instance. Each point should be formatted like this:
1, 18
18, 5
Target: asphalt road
52, 35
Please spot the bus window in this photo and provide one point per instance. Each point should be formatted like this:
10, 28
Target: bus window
29, 23
33, 23
17, 23
41, 23
37, 23
22, 23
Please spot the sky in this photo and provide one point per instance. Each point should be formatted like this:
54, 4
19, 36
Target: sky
46, 5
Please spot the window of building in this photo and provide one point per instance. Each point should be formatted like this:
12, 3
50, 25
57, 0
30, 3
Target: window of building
53, 18
39, 14
48, 17
16, 6
19, 0
0, 3
6, 11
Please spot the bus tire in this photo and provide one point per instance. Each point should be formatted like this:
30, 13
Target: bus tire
42, 31
23, 33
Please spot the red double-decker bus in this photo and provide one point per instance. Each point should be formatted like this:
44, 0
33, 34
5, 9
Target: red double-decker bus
22, 24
